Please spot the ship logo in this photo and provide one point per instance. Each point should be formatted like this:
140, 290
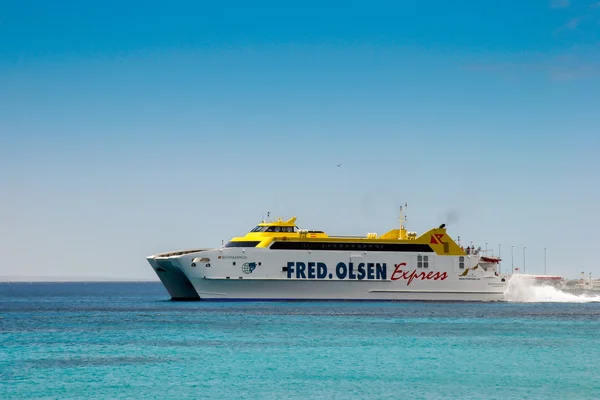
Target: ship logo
467, 271
437, 239
248, 267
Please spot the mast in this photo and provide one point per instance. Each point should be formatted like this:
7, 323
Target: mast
402, 232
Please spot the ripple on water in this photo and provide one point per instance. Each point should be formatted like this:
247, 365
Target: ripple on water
126, 341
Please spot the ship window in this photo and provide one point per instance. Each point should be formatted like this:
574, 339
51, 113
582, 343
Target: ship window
259, 229
461, 262
419, 261
280, 229
242, 244
425, 261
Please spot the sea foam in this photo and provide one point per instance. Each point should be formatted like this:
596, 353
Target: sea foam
524, 290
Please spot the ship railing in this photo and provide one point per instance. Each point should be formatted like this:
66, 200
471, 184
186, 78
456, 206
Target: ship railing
178, 253
471, 251
349, 237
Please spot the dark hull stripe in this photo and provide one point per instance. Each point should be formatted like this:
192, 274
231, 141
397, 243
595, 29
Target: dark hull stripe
344, 246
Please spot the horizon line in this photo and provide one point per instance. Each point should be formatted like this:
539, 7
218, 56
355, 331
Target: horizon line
17, 278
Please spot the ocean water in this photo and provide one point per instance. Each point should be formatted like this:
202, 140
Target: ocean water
127, 340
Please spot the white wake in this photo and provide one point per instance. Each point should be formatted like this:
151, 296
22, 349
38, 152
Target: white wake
523, 290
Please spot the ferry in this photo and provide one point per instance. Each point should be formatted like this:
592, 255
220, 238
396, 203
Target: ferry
276, 260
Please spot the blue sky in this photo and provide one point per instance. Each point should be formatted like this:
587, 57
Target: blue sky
130, 129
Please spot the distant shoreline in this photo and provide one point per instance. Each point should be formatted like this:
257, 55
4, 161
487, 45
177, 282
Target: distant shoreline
67, 279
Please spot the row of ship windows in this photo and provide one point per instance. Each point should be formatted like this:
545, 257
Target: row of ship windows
403, 247
314, 246
273, 229
423, 262
342, 246
290, 245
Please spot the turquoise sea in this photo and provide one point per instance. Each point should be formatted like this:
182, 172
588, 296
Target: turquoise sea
128, 340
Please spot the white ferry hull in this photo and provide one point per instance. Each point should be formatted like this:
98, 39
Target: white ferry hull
398, 278
323, 290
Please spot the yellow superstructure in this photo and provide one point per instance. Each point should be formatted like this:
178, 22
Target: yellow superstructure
287, 234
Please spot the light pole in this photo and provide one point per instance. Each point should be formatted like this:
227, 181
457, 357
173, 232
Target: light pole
512, 258
524, 247
500, 257
545, 261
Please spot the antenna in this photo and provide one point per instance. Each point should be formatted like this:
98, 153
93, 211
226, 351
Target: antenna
401, 219
401, 234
